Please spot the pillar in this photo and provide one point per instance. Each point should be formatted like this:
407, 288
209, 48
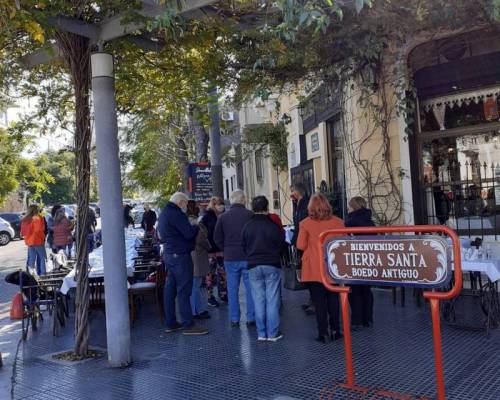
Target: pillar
111, 203
215, 146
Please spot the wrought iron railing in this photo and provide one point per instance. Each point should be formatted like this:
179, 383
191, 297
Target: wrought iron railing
464, 196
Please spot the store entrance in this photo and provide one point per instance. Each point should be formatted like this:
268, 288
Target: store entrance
336, 184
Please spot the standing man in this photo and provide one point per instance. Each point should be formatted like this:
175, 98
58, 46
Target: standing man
262, 241
227, 236
179, 238
148, 219
300, 200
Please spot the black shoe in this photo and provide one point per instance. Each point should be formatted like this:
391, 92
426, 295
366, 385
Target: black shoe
367, 324
235, 324
203, 315
212, 302
336, 336
250, 324
322, 339
195, 331
310, 310
223, 299
174, 328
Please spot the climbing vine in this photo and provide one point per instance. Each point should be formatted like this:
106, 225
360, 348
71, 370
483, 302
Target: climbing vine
270, 140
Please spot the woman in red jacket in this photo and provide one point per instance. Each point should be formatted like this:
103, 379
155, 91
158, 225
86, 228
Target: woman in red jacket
33, 231
325, 302
63, 237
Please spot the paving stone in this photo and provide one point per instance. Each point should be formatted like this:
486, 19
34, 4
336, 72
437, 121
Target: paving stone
395, 354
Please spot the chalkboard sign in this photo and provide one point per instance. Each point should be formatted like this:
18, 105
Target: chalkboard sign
200, 182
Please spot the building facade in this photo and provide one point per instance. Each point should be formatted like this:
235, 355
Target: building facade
442, 168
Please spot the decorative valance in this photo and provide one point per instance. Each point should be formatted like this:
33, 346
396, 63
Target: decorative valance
458, 99
438, 105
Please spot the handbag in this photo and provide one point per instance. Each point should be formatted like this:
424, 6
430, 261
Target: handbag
292, 269
16, 308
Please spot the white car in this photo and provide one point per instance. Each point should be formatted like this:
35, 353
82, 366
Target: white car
6, 232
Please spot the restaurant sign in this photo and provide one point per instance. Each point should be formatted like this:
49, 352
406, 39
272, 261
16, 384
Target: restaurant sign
388, 260
200, 182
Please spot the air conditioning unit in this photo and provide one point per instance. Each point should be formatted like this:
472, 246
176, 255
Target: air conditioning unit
227, 116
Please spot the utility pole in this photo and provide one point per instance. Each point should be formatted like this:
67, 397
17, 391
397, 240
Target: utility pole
110, 192
215, 146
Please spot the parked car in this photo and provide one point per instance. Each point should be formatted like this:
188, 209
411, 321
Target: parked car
14, 219
6, 232
70, 213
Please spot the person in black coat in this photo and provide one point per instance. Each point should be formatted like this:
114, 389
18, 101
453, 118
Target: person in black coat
262, 240
148, 219
300, 200
361, 296
217, 274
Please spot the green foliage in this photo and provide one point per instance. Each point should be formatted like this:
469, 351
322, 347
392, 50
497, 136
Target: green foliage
10, 148
17, 172
61, 166
270, 139
154, 169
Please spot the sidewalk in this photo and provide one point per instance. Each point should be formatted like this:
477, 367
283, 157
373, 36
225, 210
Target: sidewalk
396, 354
10, 331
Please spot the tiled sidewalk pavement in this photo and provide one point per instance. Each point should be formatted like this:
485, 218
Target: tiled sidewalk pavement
12, 258
395, 354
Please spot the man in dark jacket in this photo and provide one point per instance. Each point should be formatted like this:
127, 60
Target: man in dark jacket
262, 240
227, 236
179, 238
148, 219
300, 200
361, 296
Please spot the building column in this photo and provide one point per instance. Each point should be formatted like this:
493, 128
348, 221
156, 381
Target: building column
111, 204
215, 146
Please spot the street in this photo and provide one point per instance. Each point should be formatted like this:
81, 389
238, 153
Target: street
12, 257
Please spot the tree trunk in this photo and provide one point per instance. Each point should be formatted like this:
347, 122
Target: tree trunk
182, 159
76, 50
200, 134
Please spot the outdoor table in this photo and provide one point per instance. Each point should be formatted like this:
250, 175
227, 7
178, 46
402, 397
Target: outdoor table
486, 293
96, 264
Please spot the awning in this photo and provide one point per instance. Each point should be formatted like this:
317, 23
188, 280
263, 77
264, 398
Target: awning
460, 98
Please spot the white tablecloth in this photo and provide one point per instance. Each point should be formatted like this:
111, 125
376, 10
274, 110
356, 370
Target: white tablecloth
289, 234
132, 238
491, 268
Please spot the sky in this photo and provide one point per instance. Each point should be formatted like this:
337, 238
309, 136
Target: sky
58, 140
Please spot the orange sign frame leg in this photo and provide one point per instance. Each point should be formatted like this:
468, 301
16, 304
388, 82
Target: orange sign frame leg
433, 296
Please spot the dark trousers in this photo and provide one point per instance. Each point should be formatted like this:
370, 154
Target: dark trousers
326, 304
361, 300
179, 285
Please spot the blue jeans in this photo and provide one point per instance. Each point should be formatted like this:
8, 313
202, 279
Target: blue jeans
198, 296
179, 285
37, 255
235, 270
266, 282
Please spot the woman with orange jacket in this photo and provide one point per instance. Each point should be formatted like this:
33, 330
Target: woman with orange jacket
325, 302
33, 230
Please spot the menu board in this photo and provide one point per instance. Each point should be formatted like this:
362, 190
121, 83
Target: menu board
200, 182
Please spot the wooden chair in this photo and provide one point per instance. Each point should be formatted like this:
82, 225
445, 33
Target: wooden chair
140, 289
